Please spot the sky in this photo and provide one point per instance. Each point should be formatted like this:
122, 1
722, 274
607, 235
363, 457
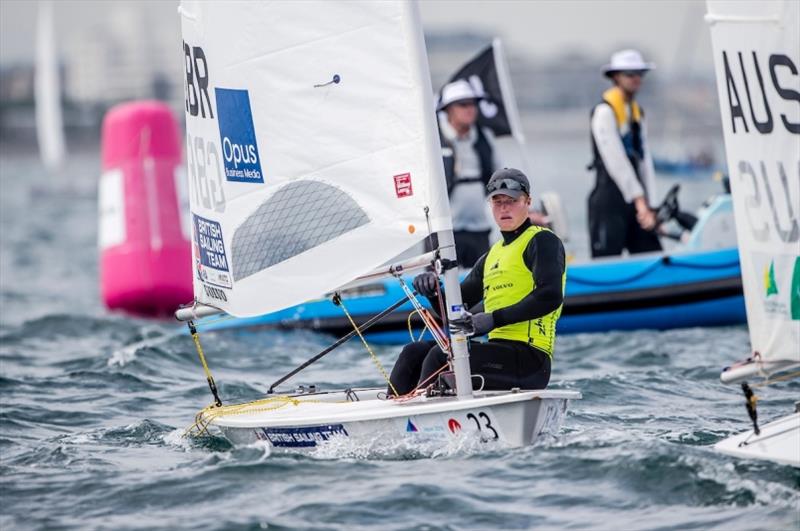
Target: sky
672, 32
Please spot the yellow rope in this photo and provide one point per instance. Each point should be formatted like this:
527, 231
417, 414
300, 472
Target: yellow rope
210, 413
220, 319
371, 353
410, 331
196, 339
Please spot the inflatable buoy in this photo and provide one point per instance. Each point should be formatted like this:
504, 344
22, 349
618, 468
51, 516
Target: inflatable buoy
144, 233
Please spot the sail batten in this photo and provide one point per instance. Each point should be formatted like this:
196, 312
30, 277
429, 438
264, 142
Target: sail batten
313, 156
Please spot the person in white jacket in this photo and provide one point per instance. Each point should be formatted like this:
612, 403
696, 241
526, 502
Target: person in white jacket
620, 205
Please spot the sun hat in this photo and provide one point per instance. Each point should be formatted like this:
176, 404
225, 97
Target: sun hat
458, 90
508, 181
629, 60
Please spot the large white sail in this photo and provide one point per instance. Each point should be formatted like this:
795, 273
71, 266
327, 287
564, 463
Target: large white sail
312, 148
757, 59
49, 125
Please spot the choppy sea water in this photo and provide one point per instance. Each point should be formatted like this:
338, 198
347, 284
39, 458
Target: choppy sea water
93, 405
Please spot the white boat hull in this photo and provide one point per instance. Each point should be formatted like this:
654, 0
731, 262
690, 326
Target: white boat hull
779, 441
515, 418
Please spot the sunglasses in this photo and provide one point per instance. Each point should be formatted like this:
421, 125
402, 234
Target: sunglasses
506, 184
633, 73
505, 201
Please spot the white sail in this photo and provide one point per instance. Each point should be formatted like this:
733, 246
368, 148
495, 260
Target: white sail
49, 126
757, 60
312, 149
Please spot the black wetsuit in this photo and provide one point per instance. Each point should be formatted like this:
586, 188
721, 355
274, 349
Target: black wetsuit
503, 364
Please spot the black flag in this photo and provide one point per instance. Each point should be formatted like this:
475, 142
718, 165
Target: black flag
497, 109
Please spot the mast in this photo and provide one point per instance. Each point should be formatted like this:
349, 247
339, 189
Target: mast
49, 124
440, 205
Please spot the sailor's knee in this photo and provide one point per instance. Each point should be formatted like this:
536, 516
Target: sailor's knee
413, 353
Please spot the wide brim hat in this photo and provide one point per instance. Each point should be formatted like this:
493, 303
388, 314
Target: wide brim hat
627, 60
458, 90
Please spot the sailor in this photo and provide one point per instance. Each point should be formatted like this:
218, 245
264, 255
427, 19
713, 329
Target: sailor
520, 283
620, 213
469, 160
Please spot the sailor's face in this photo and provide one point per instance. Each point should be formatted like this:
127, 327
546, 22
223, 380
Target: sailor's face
462, 113
629, 81
510, 213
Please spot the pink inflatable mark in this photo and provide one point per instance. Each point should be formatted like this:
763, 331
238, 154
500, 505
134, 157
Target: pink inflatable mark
145, 255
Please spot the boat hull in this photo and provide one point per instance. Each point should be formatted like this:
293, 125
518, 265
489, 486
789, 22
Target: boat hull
513, 418
778, 441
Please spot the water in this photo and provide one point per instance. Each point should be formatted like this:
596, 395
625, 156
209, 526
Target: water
94, 404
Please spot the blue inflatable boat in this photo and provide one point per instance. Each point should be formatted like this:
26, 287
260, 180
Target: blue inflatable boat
659, 291
698, 285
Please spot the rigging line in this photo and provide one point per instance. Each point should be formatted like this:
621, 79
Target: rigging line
411, 394
210, 379
636, 276
666, 261
337, 343
410, 331
221, 319
776, 379
366, 345
438, 334
747, 441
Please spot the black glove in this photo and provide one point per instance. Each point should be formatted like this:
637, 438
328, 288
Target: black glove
482, 323
472, 325
426, 283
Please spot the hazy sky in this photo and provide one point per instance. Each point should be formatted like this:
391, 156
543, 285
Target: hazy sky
672, 31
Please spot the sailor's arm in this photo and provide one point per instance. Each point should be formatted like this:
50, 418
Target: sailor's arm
545, 257
471, 286
609, 145
647, 168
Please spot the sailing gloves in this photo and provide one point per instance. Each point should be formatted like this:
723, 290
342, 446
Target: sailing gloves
473, 324
426, 284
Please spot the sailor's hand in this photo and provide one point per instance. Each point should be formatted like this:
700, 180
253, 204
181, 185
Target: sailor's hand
472, 325
644, 214
482, 323
462, 325
426, 283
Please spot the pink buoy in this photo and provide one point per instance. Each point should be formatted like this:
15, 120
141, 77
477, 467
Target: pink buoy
144, 235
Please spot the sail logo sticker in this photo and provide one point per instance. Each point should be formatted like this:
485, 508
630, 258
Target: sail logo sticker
454, 426
211, 262
238, 136
770, 286
780, 282
410, 427
402, 185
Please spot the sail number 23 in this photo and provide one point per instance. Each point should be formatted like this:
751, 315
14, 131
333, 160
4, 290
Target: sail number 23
483, 423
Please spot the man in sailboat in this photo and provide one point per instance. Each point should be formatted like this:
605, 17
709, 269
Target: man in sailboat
620, 213
520, 283
469, 160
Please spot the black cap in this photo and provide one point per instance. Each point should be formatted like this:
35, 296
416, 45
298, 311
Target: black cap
508, 181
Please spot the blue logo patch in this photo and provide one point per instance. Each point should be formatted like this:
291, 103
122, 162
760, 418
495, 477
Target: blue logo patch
410, 427
238, 136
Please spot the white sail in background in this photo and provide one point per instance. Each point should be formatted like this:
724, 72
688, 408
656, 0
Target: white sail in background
757, 60
49, 126
312, 154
